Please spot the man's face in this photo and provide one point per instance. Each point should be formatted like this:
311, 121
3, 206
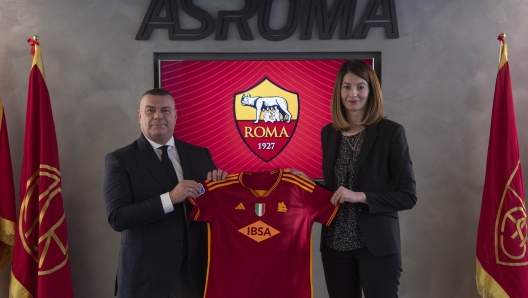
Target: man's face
157, 117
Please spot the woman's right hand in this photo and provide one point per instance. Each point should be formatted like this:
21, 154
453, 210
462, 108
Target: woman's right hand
343, 194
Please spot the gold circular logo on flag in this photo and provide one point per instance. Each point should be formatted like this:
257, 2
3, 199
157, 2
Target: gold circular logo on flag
510, 226
42, 225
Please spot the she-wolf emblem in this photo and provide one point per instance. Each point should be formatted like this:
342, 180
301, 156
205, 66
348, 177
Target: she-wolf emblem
267, 103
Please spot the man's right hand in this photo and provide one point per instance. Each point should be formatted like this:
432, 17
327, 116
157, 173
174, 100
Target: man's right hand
216, 175
184, 190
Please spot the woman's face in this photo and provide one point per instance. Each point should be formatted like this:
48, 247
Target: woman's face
354, 94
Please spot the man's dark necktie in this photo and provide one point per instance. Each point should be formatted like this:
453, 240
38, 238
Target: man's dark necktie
167, 164
178, 208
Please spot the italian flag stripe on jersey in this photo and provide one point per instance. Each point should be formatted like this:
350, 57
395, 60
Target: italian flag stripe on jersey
259, 209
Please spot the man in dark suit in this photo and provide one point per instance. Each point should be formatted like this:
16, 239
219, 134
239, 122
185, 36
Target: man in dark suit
163, 253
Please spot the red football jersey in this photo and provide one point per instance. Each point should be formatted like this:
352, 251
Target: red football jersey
260, 233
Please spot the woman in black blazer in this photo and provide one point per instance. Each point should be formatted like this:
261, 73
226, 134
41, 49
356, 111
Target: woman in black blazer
366, 164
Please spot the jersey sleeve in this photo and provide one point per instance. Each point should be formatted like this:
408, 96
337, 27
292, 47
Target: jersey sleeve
319, 202
315, 198
204, 205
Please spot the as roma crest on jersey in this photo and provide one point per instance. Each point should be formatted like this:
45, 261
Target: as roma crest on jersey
266, 117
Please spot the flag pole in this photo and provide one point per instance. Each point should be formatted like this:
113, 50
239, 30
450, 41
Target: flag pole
41, 260
502, 261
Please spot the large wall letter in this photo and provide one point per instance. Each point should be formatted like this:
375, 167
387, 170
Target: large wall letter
370, 19
294, 15
240, 18
171, 21
327, 20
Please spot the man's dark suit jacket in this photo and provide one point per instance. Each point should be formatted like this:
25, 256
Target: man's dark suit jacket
384, 173
151, 241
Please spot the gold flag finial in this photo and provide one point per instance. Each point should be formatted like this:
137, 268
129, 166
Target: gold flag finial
33, 42
502, 48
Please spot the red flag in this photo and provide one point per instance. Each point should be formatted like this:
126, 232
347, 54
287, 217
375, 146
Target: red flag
41, 266
7, 196
502, 260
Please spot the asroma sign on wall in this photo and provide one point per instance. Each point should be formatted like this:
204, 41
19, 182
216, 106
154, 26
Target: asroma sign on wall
301, 16
255, 112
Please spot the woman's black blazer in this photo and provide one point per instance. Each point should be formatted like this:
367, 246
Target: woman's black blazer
384, 173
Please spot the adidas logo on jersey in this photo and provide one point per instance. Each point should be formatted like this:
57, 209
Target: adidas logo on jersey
240, 207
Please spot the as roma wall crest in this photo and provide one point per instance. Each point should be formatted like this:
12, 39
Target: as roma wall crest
266, 117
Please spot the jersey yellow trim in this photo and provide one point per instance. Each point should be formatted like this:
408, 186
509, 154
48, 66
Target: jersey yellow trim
276, 171
276, 183
191, 200
208, 258
311, 269
227, 178
303, 186
332, 216
259, 193
301, 178
225, 183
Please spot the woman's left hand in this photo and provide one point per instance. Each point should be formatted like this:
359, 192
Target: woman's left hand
343, 194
